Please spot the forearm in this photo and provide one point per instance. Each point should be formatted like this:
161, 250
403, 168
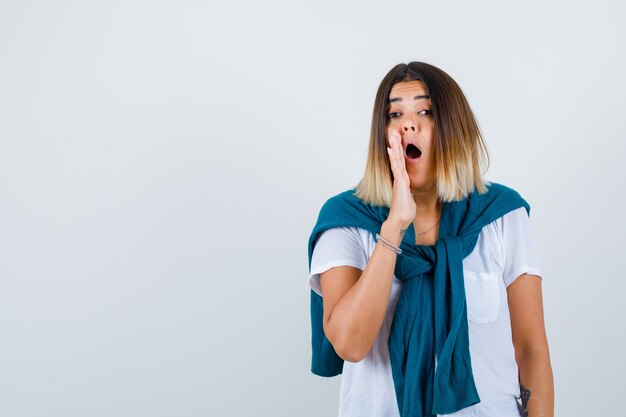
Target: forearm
358, 316
537, 385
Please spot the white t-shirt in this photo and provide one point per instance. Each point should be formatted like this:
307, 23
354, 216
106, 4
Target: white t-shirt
505, 250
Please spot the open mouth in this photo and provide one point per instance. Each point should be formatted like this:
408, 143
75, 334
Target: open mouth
412, 151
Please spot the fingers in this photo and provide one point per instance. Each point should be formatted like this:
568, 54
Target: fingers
396, 155
393, 156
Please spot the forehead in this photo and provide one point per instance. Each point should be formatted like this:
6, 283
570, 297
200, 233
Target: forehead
408, 88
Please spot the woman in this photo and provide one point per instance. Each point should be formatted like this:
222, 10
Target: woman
425, 280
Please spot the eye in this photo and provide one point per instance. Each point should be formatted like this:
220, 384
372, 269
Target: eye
425, 112
393, 115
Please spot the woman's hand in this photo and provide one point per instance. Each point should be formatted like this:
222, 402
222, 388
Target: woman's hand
403, 209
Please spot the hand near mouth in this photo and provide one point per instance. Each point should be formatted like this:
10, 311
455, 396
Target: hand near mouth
403, 209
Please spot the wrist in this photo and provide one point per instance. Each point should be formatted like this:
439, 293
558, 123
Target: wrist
393, 231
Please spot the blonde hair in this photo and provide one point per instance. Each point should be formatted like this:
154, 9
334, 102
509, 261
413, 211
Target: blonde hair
460, 153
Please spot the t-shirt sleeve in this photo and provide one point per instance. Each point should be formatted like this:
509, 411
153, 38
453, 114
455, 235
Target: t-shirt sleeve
340, 246
518, 246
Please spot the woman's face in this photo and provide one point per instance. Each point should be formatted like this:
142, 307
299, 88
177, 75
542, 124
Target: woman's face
410, 115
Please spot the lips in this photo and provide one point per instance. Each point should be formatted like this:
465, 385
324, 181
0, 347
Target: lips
412, 151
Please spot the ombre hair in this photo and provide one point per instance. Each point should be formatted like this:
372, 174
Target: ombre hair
460, 153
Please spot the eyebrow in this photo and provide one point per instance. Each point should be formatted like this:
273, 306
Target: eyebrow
393, 100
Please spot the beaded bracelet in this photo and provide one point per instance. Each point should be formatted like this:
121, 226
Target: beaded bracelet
389, 244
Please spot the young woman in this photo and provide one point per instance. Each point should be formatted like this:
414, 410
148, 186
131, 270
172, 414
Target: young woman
425, 278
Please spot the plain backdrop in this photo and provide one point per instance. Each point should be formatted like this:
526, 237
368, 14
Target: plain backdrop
162, 164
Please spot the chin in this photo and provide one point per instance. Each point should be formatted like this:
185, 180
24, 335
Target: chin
422, 184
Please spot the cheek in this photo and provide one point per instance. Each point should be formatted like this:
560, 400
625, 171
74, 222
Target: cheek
388, 131
429, 134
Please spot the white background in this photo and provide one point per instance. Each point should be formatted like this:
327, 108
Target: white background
163, 163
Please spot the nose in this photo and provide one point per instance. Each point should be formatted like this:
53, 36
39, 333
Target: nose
408, 125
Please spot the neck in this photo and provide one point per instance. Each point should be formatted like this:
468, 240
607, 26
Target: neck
426, 201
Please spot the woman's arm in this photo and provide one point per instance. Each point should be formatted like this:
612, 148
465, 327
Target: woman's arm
355, 302
531, 346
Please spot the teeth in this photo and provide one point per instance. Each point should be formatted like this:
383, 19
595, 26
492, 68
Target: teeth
413, 151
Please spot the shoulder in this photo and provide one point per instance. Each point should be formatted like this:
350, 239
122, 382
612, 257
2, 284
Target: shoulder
341, 203
346, 209
518, 217
501, 198
517, 213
